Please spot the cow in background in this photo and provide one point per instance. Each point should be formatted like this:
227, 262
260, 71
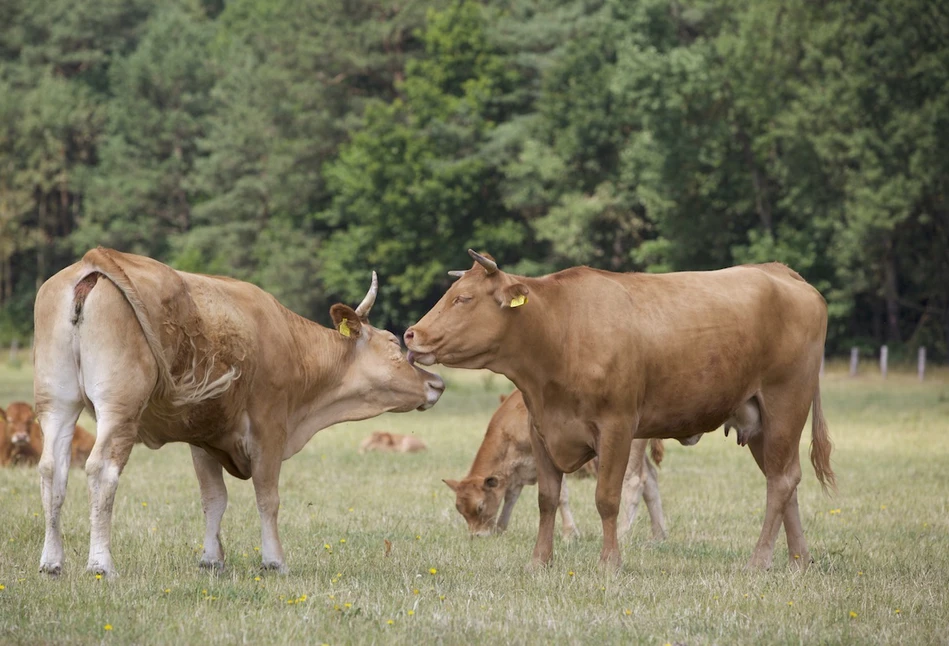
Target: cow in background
160, 355
21, 439
604, 358
504, 464
391, 443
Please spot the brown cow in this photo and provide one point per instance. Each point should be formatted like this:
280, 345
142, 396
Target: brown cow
391, 442
505, 463
603, 358
22, 441
163, 356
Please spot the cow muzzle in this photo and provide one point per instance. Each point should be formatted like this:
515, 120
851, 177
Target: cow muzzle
434, 387
18, 439
417, 354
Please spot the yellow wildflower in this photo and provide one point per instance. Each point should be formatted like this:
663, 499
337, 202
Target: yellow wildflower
107, 627
627, 612
349, 605
853, 615
144, 504
2, 587
570, 573
411, 612
98, 577
390, 622
433, 571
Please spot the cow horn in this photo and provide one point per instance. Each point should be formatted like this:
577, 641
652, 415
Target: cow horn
489, 265
363, 310
456, 274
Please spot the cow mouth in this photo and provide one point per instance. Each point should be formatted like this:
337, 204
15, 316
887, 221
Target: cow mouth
422, 358
19, 440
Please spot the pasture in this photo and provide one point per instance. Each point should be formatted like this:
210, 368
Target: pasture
378, 554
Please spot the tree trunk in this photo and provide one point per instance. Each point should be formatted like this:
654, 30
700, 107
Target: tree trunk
891, 293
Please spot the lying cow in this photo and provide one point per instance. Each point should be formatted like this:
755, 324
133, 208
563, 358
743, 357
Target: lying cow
161, 356
604, 358
392, 443
21, 440
504, 464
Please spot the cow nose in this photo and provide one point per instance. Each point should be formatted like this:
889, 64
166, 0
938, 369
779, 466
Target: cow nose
409, 335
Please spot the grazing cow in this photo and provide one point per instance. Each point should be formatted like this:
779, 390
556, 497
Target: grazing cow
603, 358
22, 441
392, 443
161, 356
505, 463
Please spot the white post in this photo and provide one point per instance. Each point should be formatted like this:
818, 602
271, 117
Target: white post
921, 363
13, 348
854, 358
884, 351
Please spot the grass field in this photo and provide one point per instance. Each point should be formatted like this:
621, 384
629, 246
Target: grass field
881, 546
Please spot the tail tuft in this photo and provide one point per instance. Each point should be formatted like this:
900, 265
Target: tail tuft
821, 448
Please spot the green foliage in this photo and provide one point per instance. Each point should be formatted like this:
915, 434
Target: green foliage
301, 144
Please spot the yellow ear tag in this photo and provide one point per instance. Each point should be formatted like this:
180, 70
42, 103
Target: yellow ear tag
517, 301
344, 328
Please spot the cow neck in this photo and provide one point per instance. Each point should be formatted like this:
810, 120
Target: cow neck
324, 359
530, 354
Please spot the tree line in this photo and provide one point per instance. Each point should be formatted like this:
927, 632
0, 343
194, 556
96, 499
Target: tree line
299, 144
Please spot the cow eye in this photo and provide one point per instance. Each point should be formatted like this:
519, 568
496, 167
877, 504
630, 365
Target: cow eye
461, 299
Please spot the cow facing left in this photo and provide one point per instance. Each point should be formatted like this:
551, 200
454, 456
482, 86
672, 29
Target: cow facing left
160, 355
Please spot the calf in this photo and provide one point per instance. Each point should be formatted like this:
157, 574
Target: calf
21, 439
505, 463
392, 443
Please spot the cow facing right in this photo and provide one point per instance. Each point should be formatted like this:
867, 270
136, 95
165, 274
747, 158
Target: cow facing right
504, 464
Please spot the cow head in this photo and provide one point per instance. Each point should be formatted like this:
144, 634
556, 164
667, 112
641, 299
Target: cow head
22, 429
378, 371
478, 499
466, 327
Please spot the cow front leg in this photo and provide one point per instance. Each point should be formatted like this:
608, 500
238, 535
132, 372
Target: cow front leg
58, 424
115, 436
614, 450
570, 531
266, 477
549, 480
214, 502
634, 481
510, 499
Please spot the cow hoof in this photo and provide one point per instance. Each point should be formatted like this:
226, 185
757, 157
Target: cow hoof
52, 569
102, 571
759, 565
274, 566
570, 535
536, 565
211, 564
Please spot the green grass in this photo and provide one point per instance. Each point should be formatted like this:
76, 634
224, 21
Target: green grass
886, 549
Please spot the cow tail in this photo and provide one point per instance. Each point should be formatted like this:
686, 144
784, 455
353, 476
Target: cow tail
821, 447
656, 451
102, 263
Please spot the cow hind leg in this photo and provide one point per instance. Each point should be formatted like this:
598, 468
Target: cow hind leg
58, 401
634, 482
654, 502
570, 530
775, 449
210, 475
118, 374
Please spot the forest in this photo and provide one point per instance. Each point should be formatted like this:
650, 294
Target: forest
299, 144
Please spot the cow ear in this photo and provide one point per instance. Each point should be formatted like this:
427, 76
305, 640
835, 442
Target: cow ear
346, 321
491, 482
514, 295
452, 484
502, 397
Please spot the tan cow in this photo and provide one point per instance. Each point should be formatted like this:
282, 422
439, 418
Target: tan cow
392, 443
21, 441
603, 358
163, 356
504, 464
